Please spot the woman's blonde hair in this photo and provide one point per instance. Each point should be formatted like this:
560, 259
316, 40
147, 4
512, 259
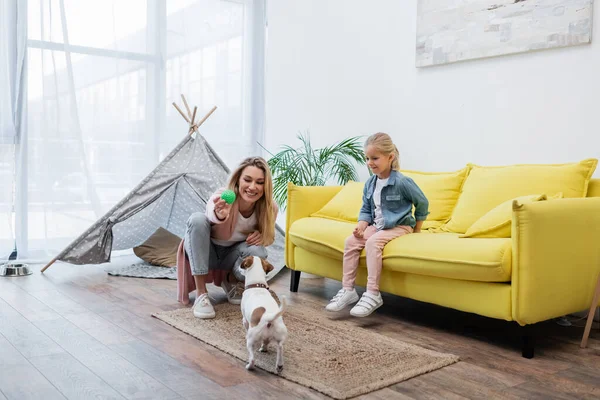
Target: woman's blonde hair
265, 206
383, 144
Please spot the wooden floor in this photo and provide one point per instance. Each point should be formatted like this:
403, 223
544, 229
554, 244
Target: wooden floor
79, 333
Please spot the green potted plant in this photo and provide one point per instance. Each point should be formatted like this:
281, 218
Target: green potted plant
305, 166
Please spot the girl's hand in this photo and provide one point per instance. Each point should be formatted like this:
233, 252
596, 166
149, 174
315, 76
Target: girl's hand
222, 209
254, 239
360, 229
418, 226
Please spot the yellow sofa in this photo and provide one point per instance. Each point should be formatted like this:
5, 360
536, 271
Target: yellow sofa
546, 268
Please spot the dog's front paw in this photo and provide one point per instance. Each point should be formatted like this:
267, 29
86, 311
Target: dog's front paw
279, 369
250, 366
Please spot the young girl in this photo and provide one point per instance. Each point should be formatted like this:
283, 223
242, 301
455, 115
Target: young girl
222, 236
386, 213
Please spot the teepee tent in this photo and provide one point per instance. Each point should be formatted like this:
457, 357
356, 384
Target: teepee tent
179, 186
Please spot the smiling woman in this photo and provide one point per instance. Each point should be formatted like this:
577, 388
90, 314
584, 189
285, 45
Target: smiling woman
217, 240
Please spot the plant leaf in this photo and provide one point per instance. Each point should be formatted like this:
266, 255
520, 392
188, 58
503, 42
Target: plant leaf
306, 166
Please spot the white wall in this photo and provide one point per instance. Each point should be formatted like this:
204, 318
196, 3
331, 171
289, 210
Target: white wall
347, 67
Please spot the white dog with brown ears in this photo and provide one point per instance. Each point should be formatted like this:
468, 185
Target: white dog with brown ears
261, 316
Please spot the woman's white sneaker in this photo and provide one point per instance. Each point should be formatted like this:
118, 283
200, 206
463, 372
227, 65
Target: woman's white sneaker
203, 308
368, 303
234, 291
342, 299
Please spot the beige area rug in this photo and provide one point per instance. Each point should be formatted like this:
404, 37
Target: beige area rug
334, 357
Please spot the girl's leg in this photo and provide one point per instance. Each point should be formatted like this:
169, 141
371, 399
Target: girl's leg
347, 295
375, 245
371, 300
352, 250
199, 249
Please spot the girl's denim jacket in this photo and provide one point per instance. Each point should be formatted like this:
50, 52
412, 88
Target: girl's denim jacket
397, 199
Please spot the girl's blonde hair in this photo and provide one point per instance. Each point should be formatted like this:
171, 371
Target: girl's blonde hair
265, 206
383, 144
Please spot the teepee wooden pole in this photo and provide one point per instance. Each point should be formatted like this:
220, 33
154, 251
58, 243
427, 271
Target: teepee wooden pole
49, 264
194, 114
181, 112
590, 319
186, 106
191, 117
205, 118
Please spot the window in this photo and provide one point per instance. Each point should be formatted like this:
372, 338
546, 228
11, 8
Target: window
102, 77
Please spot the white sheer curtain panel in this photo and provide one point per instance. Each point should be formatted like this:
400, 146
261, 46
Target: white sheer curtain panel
13, 30
88, 137
101, 79
215, 56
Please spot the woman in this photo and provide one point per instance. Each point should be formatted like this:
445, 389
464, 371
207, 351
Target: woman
220, 238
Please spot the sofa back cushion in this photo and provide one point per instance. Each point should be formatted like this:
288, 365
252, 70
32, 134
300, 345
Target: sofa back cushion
497, 222
442, 190
345, 205
487, 187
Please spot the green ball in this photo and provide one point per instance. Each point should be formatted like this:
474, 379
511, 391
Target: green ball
228, 196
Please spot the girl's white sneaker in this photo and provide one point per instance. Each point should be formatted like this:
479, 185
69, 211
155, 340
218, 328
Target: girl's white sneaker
342, 299
367, 304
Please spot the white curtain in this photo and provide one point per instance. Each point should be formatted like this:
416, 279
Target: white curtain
101, 79
215, 56
13, 30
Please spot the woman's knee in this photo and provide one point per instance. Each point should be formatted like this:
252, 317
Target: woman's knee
198, 221
259, 251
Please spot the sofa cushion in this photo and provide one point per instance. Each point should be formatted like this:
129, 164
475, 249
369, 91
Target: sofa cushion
441, 189
435, 254
497, 222
433, 225
487, 187
345, 205
594, 188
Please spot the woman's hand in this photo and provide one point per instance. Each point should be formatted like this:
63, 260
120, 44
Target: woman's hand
222, 209
254, 239
360, 229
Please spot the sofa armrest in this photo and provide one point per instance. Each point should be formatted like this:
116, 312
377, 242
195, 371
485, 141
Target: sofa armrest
556, 257
301, 202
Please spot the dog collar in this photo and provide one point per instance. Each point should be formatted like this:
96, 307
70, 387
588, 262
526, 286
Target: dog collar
257, 285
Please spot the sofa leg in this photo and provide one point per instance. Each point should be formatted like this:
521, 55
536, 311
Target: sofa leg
294, 281
528, 345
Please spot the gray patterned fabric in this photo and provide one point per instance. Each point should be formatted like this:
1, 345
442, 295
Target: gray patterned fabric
145, 271
179, 186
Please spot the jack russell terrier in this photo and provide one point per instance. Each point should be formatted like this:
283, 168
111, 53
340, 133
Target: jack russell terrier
260, 314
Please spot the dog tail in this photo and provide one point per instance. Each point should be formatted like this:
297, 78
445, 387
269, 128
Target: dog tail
267, 319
